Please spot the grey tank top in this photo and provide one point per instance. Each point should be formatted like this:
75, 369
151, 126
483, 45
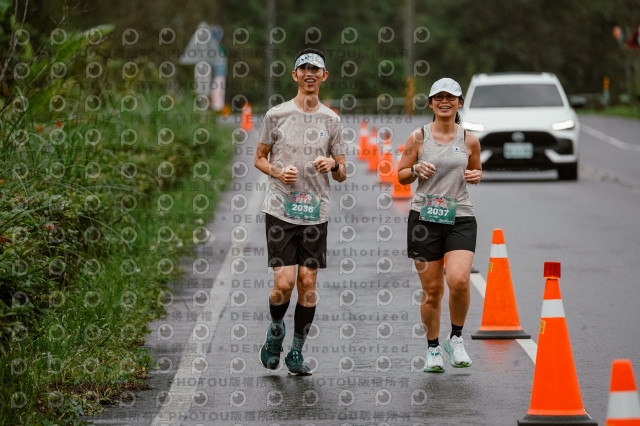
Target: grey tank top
451, 161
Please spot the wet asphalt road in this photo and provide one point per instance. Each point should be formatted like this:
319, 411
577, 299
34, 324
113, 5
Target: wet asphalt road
367, 345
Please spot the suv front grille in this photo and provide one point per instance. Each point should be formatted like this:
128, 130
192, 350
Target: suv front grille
541, 141
538, 139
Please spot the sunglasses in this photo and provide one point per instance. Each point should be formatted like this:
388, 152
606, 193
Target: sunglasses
449, 97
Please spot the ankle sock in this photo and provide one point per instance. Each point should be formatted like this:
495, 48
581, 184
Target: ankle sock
456, 330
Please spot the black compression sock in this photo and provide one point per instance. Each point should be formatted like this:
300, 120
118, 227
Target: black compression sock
303, 317
456, 330
277, 314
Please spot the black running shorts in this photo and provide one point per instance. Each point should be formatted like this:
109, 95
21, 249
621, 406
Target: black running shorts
291, 244
428, 241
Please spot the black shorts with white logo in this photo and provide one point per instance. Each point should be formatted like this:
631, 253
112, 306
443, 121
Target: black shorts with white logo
428, 241
291, 244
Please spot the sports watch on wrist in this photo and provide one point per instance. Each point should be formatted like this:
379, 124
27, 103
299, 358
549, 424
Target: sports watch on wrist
336, 167
413, 171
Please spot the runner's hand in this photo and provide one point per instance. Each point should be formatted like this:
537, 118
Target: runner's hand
425, 169
473, 176
323, 164
288, 175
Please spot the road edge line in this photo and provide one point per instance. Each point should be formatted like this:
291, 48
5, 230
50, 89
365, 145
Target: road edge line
610, 139
530, 347
180, 395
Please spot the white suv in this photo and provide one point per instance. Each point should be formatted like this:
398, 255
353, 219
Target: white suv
524, 122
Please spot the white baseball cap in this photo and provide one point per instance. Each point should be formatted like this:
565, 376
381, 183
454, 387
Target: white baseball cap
446, 85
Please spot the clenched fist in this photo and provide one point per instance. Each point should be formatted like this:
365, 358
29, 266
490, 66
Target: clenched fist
323, 164
288, 175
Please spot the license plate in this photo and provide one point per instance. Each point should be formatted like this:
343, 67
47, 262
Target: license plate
517, 150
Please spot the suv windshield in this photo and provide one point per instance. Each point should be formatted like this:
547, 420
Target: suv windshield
516, 95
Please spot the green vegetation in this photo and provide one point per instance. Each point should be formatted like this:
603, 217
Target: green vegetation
572, 38
632, 111
105, 182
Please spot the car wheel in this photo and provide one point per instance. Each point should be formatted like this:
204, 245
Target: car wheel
568, 172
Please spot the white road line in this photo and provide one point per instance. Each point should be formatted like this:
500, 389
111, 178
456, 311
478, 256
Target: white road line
609, 139
186, 379
529, 346
479, 283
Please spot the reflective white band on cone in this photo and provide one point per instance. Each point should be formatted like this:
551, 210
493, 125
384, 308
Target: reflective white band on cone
623, 405
552, 309
498, 251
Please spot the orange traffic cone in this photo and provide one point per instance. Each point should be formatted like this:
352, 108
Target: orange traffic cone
397, 189
385, 165
624, 405
247, 118
500, 313
555, 395
364, 142
372, 158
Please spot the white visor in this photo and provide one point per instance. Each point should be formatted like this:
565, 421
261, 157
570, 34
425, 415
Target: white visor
310, 58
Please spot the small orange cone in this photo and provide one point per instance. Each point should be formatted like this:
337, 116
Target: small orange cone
247, 118
555, 394
364, 142
500, 314
385, 165
374, 148
624, 405
397, 189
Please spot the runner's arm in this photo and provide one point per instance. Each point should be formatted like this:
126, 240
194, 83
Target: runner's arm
286, 175
341, 174
473, 174
409, 157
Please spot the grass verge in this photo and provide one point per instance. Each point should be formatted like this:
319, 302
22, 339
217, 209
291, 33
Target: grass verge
96, 210
629, 111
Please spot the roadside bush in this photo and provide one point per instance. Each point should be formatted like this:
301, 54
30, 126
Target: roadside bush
98, 177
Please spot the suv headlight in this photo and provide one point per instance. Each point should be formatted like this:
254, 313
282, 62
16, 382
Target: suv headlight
563, 125
473, 127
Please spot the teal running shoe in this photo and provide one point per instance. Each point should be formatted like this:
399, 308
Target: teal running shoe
295, 363
269, 355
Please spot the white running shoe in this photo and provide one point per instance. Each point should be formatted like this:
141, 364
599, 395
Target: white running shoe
458, 355
434, 363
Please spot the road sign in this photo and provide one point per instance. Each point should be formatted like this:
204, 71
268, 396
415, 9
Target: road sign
210, 72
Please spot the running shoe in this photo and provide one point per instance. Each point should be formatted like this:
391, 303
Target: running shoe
434, 363
269, 354
458, 355
295, 363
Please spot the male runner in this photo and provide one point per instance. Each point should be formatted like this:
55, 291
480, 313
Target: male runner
300, 143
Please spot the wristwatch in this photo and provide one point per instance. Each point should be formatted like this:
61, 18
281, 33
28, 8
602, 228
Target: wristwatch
336, 167
413, 171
